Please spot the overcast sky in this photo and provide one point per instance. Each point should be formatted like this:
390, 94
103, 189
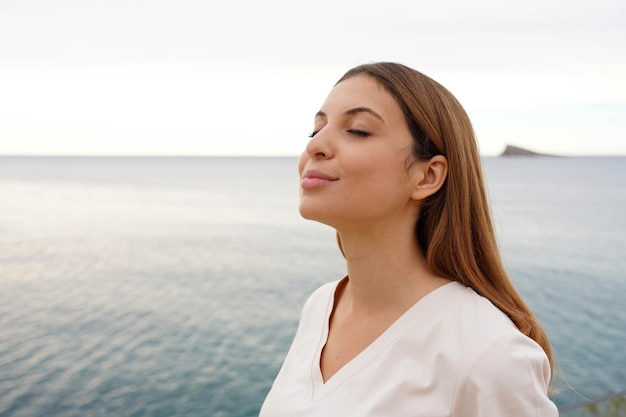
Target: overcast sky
202, 77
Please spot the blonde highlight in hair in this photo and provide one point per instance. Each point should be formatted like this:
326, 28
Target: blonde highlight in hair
454, 228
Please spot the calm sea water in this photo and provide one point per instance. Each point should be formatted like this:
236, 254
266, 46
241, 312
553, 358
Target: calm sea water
172, 286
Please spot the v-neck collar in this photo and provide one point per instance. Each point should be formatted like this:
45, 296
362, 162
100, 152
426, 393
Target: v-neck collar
417, 312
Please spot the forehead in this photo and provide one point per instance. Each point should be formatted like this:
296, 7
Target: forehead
362, 91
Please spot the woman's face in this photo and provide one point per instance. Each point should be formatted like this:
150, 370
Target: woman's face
354, 171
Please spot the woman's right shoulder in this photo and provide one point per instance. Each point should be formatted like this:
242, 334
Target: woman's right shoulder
323, 293
320, 300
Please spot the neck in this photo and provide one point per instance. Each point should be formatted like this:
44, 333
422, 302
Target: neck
387, 272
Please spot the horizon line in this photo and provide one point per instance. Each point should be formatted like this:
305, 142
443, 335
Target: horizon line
256, 156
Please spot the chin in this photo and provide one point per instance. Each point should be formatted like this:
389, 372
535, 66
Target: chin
307, 213
317, 214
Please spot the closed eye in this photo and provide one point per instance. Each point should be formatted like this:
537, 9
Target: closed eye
361, 133
313, 133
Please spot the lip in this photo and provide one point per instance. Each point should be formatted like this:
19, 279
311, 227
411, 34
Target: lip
315, 179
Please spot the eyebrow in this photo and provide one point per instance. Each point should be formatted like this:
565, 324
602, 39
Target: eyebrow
354, 111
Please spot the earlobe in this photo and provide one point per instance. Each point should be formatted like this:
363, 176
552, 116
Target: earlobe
429, 176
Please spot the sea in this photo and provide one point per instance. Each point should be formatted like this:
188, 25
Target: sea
172, 286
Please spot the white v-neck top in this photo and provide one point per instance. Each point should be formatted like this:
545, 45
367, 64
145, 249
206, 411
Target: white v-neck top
451, 354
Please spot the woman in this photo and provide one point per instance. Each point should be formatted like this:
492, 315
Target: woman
426, 322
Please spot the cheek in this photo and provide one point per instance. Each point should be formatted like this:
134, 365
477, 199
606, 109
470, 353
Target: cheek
386, 178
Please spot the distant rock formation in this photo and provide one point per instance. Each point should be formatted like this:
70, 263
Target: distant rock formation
511, 150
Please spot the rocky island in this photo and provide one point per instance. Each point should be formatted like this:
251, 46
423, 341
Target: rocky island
511, 150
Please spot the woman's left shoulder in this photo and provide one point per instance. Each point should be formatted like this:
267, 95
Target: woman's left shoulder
509, 377
508, 373
477, 320
509, 354
498, 345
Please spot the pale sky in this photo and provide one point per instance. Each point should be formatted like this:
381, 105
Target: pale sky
206, 77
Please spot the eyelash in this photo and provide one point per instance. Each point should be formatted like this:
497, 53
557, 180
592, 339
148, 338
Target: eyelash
361, 133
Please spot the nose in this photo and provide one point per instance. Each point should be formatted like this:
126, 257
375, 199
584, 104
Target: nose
319, 147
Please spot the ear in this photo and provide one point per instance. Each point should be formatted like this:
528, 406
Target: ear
428, 177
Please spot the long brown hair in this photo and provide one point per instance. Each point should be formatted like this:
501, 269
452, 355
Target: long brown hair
454, 227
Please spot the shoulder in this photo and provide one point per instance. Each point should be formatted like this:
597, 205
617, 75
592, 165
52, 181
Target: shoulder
505, 372
319, 301
313, 318
474, 321
509, 377
322, 295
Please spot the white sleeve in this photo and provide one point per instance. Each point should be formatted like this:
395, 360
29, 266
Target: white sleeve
509, 378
